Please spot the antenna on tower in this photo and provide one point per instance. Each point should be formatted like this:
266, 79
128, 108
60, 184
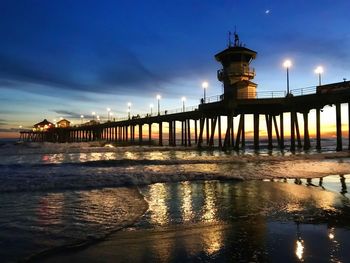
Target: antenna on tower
229, 43
236, 39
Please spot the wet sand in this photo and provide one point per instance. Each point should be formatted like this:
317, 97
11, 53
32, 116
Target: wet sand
233, 221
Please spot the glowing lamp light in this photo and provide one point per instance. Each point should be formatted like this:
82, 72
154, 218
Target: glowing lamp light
158, 97
287, 63
319, 70
108, 109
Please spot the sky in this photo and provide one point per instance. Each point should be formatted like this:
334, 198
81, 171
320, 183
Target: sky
67, 58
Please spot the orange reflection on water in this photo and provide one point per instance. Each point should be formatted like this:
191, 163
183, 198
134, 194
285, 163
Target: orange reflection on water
209, 207
50, 209
213, 240
186, 207
299, 196
95, 156
299, 250
157, 204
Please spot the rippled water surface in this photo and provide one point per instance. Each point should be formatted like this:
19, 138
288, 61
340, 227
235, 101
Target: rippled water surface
253, 221
172, 204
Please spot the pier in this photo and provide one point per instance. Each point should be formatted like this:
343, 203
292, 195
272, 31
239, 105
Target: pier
203, 126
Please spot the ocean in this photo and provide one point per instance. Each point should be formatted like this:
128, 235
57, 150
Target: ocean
79, 201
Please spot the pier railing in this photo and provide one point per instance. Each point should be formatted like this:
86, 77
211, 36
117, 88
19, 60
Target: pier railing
266, 94
304, 91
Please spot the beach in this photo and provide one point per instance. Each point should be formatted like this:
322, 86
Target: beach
95, 202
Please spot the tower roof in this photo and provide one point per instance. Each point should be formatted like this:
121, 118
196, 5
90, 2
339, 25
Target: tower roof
233, 51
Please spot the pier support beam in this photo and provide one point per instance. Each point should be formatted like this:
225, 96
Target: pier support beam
292, 131
219, 131
256, 131
207, 129
349, 125
297, 130
243, 130
318, 129
171, 133
276, 131
338, 124
150, 133
232, 131
174, 133
182, 133
240, 131
189, 132
195, 132
228, 134
269, 130
281, 131
306, 131
201, 128
140, 133
160, 134
213, 126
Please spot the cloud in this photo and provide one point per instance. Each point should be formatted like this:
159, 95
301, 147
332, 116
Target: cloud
10, 130
333, 49
67, 114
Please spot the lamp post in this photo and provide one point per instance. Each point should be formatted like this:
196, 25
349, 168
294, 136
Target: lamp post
98, 118
204, 86
129, 105
93, 115
151, 106
287, 64
158, 99
319, 71
82, 119
108, 112
183, 103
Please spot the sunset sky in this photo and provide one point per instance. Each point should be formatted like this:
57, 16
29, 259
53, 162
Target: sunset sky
67, 58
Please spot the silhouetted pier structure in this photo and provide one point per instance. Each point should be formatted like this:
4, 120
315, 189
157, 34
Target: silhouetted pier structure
203, 126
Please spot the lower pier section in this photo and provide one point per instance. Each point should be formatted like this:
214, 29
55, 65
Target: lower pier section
223, 130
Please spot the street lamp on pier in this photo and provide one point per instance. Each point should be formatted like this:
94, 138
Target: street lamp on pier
129, 106
319, 71
158, 99
205, 85
82, 119
151, 106
93, 115
287, 64
108, 113
183, 103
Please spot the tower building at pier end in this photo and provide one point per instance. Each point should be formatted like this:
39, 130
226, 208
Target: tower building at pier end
236, 73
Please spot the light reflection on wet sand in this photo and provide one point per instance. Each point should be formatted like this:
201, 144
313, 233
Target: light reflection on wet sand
250, 221
218, 221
